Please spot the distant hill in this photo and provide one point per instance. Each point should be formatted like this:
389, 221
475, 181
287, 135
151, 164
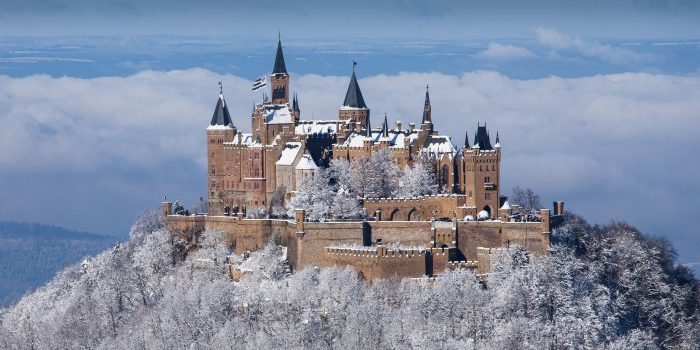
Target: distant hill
30, 254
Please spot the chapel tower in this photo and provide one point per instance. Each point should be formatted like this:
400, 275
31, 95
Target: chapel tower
279, 78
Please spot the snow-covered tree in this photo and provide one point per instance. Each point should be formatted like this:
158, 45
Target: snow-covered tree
418, 180
375, 176
602, 287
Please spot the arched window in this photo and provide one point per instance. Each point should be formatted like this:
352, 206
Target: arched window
444, 175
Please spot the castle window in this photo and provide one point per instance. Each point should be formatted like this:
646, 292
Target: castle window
488, 196
470, 194
487, 179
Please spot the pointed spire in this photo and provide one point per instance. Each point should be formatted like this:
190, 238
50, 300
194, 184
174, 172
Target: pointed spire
385, 127
280, 67
497, 138
295, 106
466, 139
353, 98
427, 110
221, 115
368, 131
427, 96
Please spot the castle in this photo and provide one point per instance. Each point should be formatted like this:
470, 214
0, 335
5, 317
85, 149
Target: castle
456, 229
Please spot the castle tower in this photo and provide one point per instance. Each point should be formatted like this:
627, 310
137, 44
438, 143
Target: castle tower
427, 123
220, 130
279, 78
481, 176
354, 107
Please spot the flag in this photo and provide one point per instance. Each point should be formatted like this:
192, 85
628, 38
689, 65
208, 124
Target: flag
259, 83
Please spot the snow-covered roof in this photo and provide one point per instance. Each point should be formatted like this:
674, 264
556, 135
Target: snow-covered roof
306, 163
220, 127
246, 139
505, 206
439, 145
289, 154
395, 138
308, 127
278, 114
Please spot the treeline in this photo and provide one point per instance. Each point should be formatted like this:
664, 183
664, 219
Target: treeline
603, 287
31, 254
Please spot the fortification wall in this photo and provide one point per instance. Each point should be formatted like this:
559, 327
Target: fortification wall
306, 242
378, 262
415, 208
533, 236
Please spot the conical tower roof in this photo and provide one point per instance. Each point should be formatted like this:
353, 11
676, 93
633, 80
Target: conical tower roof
221, 115
280, 67
353, 98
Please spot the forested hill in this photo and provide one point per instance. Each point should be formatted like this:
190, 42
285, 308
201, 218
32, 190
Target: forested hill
602, 287
31, 254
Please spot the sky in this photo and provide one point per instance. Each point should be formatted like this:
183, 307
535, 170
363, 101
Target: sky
104, 104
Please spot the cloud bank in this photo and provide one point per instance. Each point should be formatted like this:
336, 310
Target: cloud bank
92, 153
557, 41
496, 51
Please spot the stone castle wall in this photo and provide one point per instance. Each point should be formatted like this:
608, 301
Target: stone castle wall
308, 242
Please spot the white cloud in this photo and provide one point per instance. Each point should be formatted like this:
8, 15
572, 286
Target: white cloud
557, 41
612, 146
496, 51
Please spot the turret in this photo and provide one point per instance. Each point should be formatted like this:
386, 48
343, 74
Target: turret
280, 77
220, 131
354, 107
296, 109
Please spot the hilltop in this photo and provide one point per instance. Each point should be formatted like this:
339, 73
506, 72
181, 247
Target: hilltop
603, 287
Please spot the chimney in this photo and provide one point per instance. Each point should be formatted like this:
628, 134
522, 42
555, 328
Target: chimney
398, 125
411, 126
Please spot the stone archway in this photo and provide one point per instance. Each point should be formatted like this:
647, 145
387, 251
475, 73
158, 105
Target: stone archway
395, 215
487, 208
413, 215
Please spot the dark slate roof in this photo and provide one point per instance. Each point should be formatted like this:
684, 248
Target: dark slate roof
482, 138
385, 127
221, 115
353, 98
466, 139
295, 104
280, 67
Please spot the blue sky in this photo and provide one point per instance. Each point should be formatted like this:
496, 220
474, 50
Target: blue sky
103, 104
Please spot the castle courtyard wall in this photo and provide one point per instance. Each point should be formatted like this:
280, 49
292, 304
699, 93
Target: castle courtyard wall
308, 242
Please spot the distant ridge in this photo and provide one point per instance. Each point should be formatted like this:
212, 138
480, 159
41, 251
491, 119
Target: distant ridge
32, 253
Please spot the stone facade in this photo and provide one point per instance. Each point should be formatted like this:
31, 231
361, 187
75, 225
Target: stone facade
404, 237
243, 166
